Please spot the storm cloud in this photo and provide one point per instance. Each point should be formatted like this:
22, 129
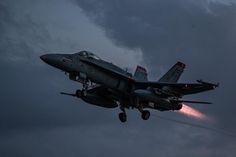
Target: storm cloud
36, 121
202, 34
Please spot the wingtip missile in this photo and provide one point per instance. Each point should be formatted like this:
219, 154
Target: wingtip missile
214, 85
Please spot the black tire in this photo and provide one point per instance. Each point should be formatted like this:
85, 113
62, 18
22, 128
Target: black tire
122, 117
78, 93
145, 115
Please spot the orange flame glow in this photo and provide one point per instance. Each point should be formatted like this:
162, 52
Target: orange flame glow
191, 112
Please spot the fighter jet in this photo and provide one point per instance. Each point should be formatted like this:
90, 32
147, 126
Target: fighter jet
107, 85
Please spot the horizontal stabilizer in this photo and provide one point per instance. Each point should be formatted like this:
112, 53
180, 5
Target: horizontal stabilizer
174, 73
178, 88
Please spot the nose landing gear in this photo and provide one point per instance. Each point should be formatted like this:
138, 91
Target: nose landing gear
85, 88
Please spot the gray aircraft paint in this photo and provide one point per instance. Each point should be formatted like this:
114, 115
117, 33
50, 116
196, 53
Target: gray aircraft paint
119, 86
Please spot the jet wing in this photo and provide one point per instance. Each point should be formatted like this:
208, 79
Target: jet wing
104, 92
110, 68
93, 90
98, 90
178, 88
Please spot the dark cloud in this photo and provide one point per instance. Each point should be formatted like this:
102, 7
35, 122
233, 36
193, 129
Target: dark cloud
19, 32
36, 121
166, 28
201, 34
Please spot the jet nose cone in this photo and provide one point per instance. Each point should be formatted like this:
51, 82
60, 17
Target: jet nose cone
51, 59
43, 57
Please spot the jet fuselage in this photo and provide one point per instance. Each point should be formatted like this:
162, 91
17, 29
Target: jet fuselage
116, 87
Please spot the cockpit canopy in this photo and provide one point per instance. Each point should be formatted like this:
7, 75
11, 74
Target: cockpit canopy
88, 54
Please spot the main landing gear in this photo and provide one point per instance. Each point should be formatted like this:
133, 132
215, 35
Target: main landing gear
122, 117
85, 88
145, 114
81, 93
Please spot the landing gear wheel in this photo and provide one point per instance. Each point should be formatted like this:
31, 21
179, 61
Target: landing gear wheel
78, 93
122, 117
84, 92
145, 115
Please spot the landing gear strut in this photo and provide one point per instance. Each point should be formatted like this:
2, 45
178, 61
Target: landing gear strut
85, 88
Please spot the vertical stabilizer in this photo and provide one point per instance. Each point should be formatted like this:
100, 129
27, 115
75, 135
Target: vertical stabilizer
173, 74
140, 74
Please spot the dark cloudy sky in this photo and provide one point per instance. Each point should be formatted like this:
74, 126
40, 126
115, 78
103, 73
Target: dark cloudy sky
36, 121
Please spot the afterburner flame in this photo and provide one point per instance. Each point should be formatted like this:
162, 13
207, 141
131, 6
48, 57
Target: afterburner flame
191, 112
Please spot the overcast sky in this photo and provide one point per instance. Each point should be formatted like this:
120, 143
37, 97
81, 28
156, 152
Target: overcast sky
35, 120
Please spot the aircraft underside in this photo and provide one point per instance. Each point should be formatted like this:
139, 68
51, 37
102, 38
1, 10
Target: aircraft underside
97, 97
